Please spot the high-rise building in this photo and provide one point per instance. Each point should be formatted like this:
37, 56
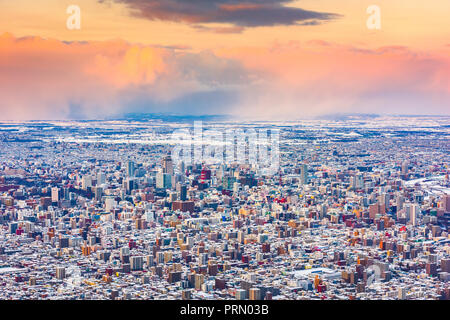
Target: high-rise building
359, 179
109, 203
445, 265
182, 191
405, 165
124, 253
86, 182
137, 263
66, 191
98, 193
183, 206
150, 261
173, 196
160, 257
186, 294
376, 208
55, 194
163, 180
199, 279
401, 293
167, 165
255, 294
101, 178
412, 211
415, 214
182, 167
384, 200
60, 273
130, 167
12, 228
400, 200
446, 203
304, 174
241, 294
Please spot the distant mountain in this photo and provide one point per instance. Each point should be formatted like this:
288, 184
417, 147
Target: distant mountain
169, 117
348, 116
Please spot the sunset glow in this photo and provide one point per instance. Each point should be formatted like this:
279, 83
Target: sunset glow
304, 59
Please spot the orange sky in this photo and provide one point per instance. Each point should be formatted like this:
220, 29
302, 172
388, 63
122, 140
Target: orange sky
129, 60
414, 23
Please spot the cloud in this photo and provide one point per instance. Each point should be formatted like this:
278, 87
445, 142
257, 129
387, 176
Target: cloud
50, 79
224, 30
318, 77
240, 14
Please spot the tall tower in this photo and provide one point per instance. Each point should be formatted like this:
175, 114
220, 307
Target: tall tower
167, 165
130, 168
400, 200
304, 174
415, 214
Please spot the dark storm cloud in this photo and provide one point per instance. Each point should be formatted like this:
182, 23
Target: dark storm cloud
250, 13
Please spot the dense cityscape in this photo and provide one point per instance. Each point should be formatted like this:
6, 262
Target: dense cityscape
359, 209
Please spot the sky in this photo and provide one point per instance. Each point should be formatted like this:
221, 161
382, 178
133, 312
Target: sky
261, 59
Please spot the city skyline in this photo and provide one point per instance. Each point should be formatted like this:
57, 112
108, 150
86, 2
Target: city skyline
260, 59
